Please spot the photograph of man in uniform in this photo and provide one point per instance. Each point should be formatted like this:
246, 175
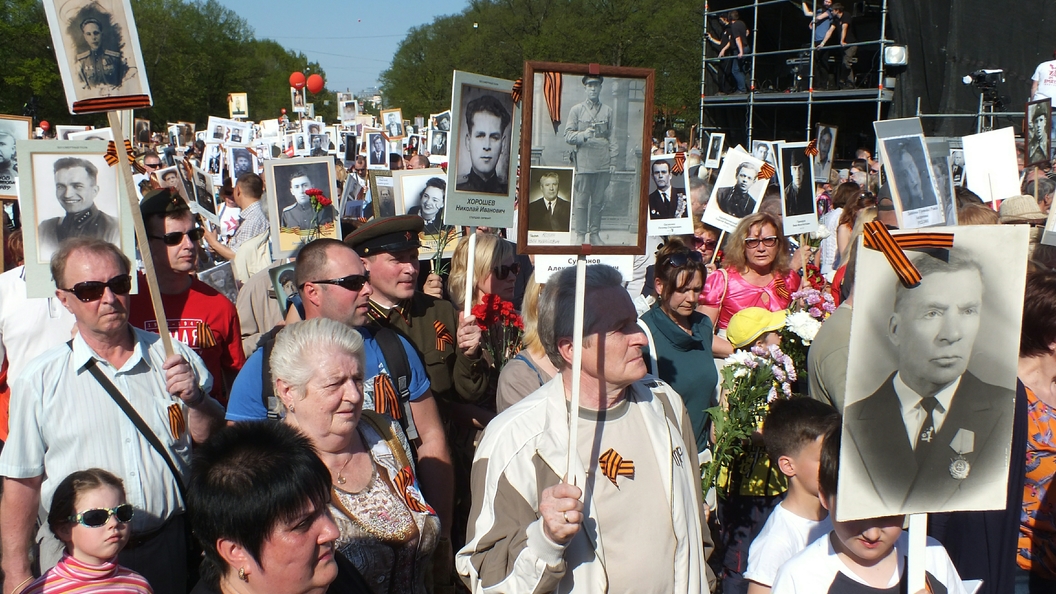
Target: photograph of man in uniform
552, 212
799, 192
933, 433
317, 141
666, 202
76, 189
910, 173
487, 140
431, 205
735, 200
589, 130
101, 65
297, 210
439, 144
237, 105
376, 156
169, 178
1037, 133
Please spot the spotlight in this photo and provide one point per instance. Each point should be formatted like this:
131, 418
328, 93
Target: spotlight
896, 55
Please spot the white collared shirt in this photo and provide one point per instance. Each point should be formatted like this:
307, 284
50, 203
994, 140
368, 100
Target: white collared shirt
913, 414
62, 420
28, 327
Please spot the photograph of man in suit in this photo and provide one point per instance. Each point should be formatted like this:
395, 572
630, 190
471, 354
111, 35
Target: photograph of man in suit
933, 433
666, 202
377, 154
439, 145
393, 126
486, 123
799, 195
823, 160
551, 212
735, 200
76, 188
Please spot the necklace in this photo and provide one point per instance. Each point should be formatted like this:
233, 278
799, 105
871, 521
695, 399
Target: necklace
340, 477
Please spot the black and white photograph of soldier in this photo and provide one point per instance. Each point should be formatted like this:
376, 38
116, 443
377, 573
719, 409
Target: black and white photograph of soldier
168, 178
737, 193
929, 410
826, 138
101, 63
799, 186
909, 172
238, 105
589, 131
438, 146
1037, 124
241, 162
392, 120
483, 158
292, 182
736, 200
319, 144
714, 155
85, 205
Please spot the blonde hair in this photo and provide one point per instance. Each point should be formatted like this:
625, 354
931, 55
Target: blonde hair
865, 215
735, 253
530, 314
977, 214
491, 250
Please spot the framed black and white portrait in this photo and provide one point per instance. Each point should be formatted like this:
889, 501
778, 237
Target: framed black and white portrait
301, 217
168, 177
441, 121
204, 190
1037, 129
297, 100
912, 185
63, 131
104, 134
299, 142
737, 193
941, 170
241, 161
438, 141
350, 146
12, 129
670, 145
931, 381
377, 151
826, 145
142, 131
238, 105
185, 133
668, 197
957, 165
382, 193
284, 283
221, 278
67, 189
549, 210
347, 109
484, 132
423, 192
318, 145
392, 123
766, 150
598, 121
797, 189
714, 154
213, 159
97, 47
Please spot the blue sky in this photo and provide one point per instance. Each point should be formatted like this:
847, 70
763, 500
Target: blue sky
353, 41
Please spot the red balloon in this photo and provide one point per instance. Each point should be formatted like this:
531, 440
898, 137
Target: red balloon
297, 80
283, 111
45, 126
315, 83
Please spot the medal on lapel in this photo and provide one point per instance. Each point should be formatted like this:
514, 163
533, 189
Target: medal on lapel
963, 443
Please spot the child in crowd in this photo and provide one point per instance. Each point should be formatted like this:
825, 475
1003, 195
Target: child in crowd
90, 516
793, 432
755, 326
859, 556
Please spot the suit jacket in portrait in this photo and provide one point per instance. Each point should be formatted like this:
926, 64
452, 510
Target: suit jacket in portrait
539, 218
878, 439
734, 202
658, 209
798, 201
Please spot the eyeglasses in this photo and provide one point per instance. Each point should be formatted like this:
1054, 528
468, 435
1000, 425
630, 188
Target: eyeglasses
753, 242
680, 259
89, 291
176, 237
352, 282
94, 518
707, 243
503, 271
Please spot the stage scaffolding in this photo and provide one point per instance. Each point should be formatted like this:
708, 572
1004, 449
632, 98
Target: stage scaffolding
756, 99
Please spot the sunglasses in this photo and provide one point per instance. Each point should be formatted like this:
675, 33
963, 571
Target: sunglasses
176, 237
95, 518
89, 291
680, 259
503, 271
352, 282
707, 243
152, 165
753, 242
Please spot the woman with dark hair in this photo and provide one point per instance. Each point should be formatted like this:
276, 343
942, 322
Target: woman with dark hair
850, 193
679, 336
431, 205
758, 272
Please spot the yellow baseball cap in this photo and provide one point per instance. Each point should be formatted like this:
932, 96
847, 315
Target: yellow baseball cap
747, 325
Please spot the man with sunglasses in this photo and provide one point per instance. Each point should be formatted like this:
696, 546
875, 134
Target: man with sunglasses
198, 315
76, 188
63, 419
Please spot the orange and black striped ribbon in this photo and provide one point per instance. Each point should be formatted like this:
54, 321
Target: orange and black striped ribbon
781, 288
767, 171
111, 154
518, 89
177, 424
680, 163
552, 94
206, 340
403, 482
812, 148
879, 238
443, 336
613, 465
386, 399
111, 104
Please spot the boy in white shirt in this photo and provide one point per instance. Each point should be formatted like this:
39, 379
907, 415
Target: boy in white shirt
793, 432
860, 556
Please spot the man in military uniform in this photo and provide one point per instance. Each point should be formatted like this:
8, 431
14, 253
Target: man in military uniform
301, 213
589, 129
76, 188
97, 66
486, 137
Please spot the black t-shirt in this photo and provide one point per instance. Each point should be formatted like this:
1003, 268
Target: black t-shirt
738, 30
837, 29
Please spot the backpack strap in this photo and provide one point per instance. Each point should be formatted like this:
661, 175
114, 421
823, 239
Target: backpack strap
267, 387
528, 361
400, 372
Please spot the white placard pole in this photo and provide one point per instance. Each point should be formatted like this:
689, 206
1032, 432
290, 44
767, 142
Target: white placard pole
918, 542
467, 306
577, 366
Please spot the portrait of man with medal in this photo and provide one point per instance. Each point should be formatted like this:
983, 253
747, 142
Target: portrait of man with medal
934, 435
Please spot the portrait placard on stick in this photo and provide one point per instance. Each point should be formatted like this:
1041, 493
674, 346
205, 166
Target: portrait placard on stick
738, 191
238, 105
715, 143
485, 130
939, 155
1037, 129
12, 129
668, 197
301, 214
797, 189
826, 145
913, 188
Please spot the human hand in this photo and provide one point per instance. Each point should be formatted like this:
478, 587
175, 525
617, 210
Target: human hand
468, 336
179, 379
561, 512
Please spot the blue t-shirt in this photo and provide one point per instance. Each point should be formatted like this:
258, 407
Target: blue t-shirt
245, 403
822, 27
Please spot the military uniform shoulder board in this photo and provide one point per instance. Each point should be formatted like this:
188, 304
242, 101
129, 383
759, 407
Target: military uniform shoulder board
83, 55
112, 53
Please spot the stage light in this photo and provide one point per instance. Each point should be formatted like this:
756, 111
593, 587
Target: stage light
896, 55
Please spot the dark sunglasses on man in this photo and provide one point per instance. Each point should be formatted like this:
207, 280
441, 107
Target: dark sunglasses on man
352, 282
89, 291
152, 165
753, 242
176, 237
503, 272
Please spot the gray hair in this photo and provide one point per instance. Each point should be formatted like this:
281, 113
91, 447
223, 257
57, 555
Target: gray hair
298, 344
557, 306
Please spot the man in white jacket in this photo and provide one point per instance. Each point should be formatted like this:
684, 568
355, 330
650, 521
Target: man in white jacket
627, 515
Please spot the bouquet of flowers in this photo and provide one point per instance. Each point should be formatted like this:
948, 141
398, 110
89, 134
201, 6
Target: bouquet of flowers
807, 310
751, 380
319, 201
501, 329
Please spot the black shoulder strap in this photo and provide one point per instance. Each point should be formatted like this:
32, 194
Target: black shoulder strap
267, 387
400, 371
136, 420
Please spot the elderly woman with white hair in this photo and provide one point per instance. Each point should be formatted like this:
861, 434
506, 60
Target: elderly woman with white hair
387, 530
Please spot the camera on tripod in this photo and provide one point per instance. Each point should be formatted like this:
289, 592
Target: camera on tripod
986, 81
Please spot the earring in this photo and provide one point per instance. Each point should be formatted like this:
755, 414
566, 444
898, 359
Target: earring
291, 407
242, 574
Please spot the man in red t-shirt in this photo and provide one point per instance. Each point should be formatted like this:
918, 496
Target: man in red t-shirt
198, 315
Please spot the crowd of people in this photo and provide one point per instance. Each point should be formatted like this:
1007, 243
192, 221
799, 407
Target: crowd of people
362, 433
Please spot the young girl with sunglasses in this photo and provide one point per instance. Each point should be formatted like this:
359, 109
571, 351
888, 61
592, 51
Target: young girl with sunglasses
90, 516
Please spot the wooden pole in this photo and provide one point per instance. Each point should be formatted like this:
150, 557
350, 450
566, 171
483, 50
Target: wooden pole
125, 174
577, 366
